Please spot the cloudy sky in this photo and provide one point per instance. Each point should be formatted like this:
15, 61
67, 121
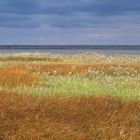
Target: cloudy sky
70, 21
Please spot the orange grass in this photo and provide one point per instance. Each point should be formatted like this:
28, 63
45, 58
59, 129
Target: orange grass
63, 68
14, 75
68, 118
82, 68
28, 59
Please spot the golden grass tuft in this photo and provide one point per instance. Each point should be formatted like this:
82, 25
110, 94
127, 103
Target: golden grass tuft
68, 118
83, 68
28, 58
15, 75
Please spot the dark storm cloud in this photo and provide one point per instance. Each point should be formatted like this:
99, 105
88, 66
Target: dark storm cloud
16, 21
62, 8
99, 7
72, 15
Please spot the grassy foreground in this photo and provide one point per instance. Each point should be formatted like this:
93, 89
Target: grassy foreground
26, 117
72, 97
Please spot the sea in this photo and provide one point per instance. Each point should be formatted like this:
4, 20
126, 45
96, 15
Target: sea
71, 49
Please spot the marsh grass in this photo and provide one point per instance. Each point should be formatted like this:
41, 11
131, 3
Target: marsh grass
84, 58
69, 97
72, 80
17, 75
71, 118
77, 86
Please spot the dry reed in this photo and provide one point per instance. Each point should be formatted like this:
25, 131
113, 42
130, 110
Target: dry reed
68, 118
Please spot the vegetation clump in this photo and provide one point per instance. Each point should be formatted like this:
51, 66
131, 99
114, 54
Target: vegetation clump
69, 97
17, 75
84, 118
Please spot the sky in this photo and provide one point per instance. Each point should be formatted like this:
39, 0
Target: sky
73, 22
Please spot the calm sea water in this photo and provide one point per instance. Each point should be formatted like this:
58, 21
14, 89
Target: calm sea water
127, 50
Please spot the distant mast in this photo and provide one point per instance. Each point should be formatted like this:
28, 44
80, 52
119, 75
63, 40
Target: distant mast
81, 44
